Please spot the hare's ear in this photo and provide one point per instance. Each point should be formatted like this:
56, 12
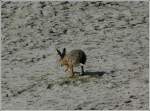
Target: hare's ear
64, 52
59, 53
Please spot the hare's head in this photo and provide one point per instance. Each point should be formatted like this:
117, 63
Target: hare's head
61, 56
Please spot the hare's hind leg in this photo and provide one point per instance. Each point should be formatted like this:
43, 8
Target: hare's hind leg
82, 69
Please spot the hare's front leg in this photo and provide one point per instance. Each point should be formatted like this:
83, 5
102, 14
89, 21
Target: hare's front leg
71, 70
67, 67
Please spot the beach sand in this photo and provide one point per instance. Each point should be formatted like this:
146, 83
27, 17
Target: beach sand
114, 35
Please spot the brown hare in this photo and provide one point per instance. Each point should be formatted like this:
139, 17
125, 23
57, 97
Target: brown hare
72, 59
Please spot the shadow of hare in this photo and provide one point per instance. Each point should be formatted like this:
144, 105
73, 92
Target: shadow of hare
79, 79
96, 73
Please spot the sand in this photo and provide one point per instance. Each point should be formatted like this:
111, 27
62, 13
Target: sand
114, 35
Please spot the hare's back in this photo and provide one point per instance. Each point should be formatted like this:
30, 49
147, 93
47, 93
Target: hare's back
78, 56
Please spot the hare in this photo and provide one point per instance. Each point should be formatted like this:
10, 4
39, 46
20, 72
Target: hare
72, 59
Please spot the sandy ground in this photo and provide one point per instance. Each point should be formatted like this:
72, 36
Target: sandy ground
114, 36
